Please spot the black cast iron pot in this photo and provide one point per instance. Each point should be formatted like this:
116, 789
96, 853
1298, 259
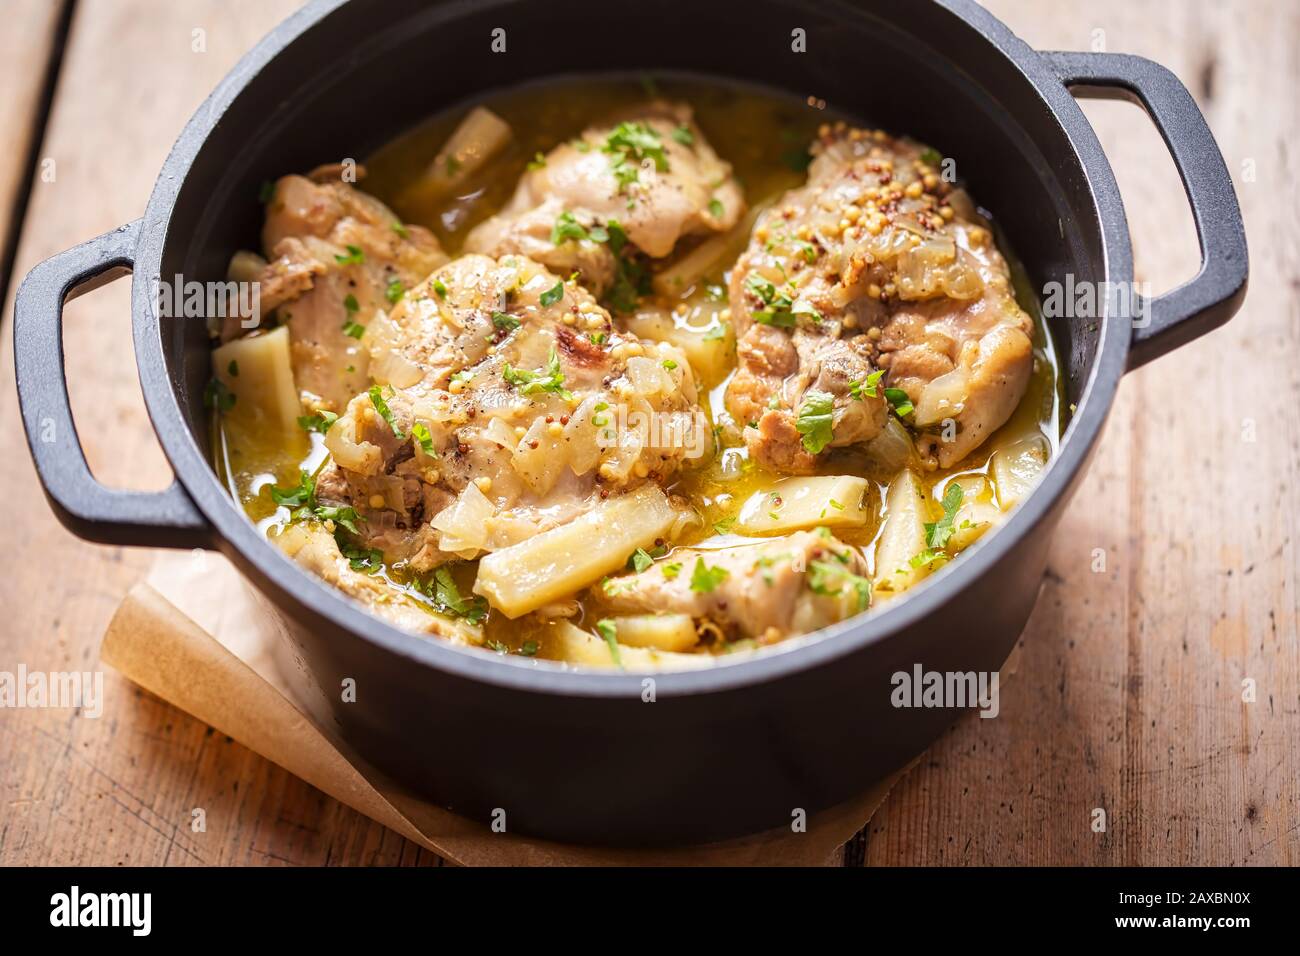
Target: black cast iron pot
582, 756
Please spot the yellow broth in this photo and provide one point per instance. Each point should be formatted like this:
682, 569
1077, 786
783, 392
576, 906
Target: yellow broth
764, 136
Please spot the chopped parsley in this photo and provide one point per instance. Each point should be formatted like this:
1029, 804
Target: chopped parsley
395, 291
553, 294
867, 387
233, 369
351, 327
902, 405
447, 598
672, 570
609, 631
567, 227
538, 161
830, 578
806, 249
931, 156
815, 421
549, 379
401, 230
344, 517
682, 134
440, 287
715, 209
630, 144
354, 257
320, 422
301, 495
217, 395
778, 306
639, 560
360, 559
725, 525
938, 532
705, 579
505, 321
420, 432
381, 406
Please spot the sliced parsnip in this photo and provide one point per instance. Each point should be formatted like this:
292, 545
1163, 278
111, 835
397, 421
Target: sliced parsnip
245, 266
835, 501
257, 371
1016, 468
666, 632
693, 266
902, 537
717, 251
480, 136
548, 566
977, 514
576, 646
708, 348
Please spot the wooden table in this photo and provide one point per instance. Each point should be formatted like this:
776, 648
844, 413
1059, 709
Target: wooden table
1129, 690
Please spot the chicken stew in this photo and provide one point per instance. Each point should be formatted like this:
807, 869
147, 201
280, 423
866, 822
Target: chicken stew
631, 374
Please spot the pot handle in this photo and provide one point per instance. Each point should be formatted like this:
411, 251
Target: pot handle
88, 509
1215, 293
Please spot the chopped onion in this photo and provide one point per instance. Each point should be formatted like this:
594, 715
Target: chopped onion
464, 523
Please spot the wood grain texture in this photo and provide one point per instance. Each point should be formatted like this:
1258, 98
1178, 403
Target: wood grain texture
120, 789
26, 43
1128, 693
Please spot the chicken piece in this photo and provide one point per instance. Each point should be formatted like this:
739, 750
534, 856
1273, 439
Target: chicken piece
337, 257
876, 264
766, 590
506, 403
651, 177
315, 549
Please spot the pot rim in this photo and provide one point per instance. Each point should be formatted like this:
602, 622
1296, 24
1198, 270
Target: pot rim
241, 540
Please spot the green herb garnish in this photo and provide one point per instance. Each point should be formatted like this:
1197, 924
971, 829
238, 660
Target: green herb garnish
217, 395
553, 294
938, 532
867, 387
566, 227
609, 631
320, 422
898, 399
549, 379
705, 579
420, 432
815, 421
639, 560
354, 257
381, 406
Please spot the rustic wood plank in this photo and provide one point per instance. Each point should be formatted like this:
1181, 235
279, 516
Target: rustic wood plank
1129, 693
26, 45
120, 789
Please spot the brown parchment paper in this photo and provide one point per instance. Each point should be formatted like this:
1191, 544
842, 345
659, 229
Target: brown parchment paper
194, 635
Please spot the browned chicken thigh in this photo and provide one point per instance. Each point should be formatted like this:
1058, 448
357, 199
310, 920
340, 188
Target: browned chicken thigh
874, 276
